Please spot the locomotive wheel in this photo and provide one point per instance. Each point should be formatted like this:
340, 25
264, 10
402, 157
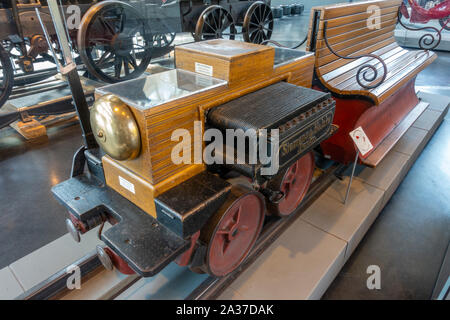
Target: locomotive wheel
294, 183
6, 77
232, 231
114, 41
258, 23
215, 22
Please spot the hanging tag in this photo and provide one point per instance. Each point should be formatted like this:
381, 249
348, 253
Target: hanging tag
361, 141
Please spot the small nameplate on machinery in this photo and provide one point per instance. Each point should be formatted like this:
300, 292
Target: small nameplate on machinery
204, 69
126, 184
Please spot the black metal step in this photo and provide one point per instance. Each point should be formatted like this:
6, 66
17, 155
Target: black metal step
144, 243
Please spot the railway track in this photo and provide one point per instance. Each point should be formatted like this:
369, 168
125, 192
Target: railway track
55, 287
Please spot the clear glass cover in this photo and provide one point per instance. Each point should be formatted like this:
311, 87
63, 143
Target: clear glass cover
284, 55
157, 89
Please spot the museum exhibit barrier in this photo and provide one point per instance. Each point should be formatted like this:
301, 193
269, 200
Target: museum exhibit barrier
370, 76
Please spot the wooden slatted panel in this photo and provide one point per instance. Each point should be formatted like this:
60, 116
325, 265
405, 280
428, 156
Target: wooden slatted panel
338, 31
392, 59
160, 127
339, 63
349, 35
356, 63
348, 32
395, 66
419, 63
345, 9
346, 39
353, 47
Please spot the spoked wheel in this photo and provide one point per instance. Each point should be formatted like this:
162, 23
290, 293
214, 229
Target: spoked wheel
231, 233
215, 22
114, 42
163, 40
294, 183
6, 76
258, 23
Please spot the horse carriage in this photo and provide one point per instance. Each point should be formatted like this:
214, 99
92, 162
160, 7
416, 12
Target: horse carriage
116, 40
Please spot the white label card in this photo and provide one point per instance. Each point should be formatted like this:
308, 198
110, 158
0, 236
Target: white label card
203, 69
361, 140
126, 184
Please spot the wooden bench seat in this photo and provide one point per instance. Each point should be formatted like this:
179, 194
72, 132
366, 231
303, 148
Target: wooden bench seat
345, 42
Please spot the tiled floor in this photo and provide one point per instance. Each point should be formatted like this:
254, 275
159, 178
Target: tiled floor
409, 238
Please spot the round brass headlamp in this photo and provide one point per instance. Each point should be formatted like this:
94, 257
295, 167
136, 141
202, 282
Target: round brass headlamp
115, 128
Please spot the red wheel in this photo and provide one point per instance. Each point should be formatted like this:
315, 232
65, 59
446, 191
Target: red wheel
233, 230
294, 183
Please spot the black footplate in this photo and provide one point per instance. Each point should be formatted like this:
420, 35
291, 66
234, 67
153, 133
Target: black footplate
303, 117
142, 241
185, 208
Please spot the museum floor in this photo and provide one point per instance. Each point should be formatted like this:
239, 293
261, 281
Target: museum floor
408, 240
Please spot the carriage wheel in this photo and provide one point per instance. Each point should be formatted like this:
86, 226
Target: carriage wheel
6, 76
294, 183
258, 23
114, 42
232, 231
163, 40
215, 22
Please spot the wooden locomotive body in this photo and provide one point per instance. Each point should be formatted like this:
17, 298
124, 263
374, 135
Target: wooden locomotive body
207, 216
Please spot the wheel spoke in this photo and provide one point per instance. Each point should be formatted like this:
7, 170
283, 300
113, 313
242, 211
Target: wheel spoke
132, 61
215, 21
117, 67
122, 20
126, 66
107, 25
220, 20
256, 15
104, 57
253, 31
263, 17
210, 26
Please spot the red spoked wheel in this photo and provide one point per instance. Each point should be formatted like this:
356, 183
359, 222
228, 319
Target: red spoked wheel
294, 183
232, 231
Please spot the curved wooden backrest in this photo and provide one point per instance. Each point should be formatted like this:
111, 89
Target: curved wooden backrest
350, 31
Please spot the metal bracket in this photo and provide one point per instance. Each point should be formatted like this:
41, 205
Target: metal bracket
427, 39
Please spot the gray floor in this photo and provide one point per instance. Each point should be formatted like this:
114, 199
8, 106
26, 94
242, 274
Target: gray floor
408, 240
